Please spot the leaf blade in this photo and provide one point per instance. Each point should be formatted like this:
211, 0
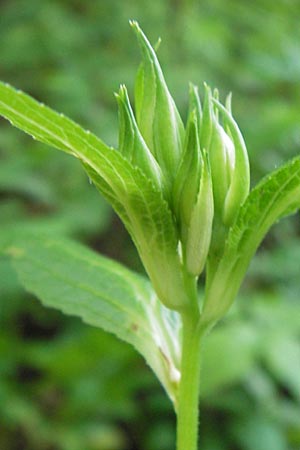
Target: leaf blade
69, 277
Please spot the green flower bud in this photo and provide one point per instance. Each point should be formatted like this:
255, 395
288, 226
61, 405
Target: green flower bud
157, 116
193, 196
187, 181
132, 144
220, 153
200, 228
238, 166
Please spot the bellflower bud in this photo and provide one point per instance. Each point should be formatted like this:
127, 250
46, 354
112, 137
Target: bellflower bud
200, 228
132, 144
227, 156
220, 153
187, 181
157, 116
238, 166
193, 194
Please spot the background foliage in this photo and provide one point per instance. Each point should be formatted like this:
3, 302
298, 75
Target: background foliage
66, 386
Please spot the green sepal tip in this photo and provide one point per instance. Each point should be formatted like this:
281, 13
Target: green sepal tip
131, 142
157, 116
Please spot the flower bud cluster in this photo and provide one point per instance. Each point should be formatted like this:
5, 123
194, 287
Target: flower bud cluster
202, 169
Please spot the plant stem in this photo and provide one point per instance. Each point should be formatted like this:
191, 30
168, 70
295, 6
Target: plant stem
188, 400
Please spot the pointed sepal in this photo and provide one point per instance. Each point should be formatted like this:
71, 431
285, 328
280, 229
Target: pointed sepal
157, 116
131, 142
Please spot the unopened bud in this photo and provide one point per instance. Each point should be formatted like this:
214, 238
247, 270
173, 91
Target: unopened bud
157, 116
200, 229
193, 198
186, 184
132, 144
220, 152
187, 181
239, 182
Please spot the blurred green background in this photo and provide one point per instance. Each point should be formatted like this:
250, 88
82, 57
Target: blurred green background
65, 386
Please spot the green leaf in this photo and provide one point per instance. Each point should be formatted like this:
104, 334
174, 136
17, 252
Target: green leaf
277, 195
77, 281
140, 205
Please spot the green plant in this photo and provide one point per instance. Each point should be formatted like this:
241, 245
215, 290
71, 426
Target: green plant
183, 195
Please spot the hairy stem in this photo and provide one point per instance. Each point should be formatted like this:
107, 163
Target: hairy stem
188, 400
